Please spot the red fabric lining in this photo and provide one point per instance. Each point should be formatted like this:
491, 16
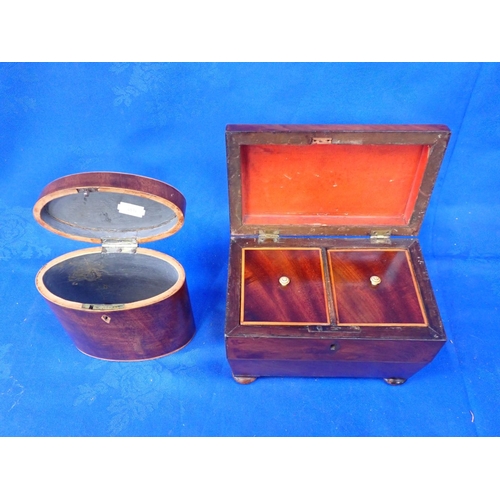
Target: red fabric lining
331, 184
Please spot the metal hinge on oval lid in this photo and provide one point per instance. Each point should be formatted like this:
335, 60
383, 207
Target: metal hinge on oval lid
321, 140
119, 246
270, 235
380, 236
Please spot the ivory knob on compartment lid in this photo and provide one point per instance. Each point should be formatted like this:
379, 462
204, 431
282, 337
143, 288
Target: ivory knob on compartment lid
375, 280
284, 280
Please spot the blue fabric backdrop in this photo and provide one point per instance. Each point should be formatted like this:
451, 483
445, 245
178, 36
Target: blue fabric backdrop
167, 121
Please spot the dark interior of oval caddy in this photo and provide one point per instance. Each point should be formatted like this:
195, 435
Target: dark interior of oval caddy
110, 278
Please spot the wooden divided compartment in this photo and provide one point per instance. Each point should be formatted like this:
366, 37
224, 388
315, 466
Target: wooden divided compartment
288, 286
300, 297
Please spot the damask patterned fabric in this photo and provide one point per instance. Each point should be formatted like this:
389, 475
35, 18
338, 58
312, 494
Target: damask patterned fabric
167, 121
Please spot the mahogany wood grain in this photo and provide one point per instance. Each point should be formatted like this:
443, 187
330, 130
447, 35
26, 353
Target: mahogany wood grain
266, 301
395, 301
318, 368
327, 349
382, 351
336, 128
434, 329
137, 334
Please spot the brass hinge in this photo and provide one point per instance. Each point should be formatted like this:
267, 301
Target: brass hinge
119, 246
273, 236
380, 236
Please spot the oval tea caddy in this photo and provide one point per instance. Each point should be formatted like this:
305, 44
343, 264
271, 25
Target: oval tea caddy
117, 302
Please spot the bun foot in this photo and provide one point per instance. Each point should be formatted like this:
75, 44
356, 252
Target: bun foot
244, 380
395, 381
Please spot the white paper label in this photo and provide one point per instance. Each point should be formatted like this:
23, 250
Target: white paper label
131, 209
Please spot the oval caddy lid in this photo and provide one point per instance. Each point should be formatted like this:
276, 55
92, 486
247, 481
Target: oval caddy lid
95, 206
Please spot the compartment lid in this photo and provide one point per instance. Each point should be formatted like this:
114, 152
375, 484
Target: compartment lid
98, 206
332, 179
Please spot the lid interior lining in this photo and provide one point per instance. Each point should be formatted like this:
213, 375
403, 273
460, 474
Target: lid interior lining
334, 184
101, 215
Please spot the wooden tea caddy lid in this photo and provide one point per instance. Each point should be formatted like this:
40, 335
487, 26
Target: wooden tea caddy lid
102, 206
117, 301
322, 180
291, 189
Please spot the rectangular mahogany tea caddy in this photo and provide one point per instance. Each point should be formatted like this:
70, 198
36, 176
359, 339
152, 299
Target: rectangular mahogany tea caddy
117, 301
326, 275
